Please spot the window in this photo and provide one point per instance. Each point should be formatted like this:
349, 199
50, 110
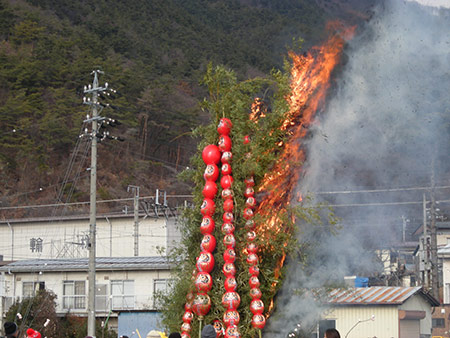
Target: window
101, 297
122, 292
438, 322
160, 286
74, 295
29, 289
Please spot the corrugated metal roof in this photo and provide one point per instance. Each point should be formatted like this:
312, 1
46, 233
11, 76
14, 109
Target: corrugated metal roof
81, 264
375, 295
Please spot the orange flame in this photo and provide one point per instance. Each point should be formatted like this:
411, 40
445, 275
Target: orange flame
310, 81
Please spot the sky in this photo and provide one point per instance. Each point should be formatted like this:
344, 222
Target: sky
435, 3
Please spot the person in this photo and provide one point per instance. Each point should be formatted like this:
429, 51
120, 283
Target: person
208, 331
11, 329
332, 333
174, 335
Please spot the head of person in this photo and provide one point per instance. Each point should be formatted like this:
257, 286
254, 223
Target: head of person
11, 329
332, 333
209, 332
174, 335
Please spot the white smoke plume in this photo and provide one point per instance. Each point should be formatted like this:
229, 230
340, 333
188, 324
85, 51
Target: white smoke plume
387, 115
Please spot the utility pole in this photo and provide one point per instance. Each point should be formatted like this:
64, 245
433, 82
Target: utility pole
93, 102
135, 190
426, 280
434, 257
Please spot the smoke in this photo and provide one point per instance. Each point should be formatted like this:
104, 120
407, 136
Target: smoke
386, 119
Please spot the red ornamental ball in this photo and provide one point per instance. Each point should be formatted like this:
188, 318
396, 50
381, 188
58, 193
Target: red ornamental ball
205, 262
253, 270
224, 126
208, 207
229, 241
185, 335
226, 169
188, 306
203, 282
255, 293
252, 259
227, 156
228, 205
228, 217
232, 332
227, 194
229, 255
188, 316
231, 317
229, 270
257, 306
250, 224
186, 327
227, 228
224, 143
208, 243
211, 173
249, 181
252, 248
251, 236
250, 202
249, 191
207, 225
246, 139
218, 326
201, 304
209, 190
248, 213
211, 154
226, 181
231, 300
254, 282
230, 284
258, 321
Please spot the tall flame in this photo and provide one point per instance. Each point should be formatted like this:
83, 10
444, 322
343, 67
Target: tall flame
310, 81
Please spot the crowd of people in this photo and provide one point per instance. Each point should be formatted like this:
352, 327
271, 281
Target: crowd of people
12, 330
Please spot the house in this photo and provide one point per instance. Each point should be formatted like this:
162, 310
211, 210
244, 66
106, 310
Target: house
122, 284
131, 265
382, 312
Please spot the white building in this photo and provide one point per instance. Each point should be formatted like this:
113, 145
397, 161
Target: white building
117, 236
382, 312
53, 254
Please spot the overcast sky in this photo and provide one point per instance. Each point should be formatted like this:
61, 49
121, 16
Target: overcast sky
437, 3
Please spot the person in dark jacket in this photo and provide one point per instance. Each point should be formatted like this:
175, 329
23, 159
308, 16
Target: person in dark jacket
11, 329
209, 331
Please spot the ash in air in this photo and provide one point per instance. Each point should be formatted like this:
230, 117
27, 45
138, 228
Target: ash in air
386, 120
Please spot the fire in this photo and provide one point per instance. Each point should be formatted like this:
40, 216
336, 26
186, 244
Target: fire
310, 81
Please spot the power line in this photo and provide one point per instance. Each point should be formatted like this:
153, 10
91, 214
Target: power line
86, 203
380, 204
378, 190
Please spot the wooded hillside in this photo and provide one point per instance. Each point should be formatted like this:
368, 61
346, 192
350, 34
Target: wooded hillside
154, 53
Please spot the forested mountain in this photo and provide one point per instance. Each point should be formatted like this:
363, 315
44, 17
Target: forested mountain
154, 53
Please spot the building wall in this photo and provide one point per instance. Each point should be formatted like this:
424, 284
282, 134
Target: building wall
115, 238
385, 324
129, 323
143, 286
446, 279
418, 303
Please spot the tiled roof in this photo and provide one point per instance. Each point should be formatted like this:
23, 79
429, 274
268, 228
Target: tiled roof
376, 295
81, 264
